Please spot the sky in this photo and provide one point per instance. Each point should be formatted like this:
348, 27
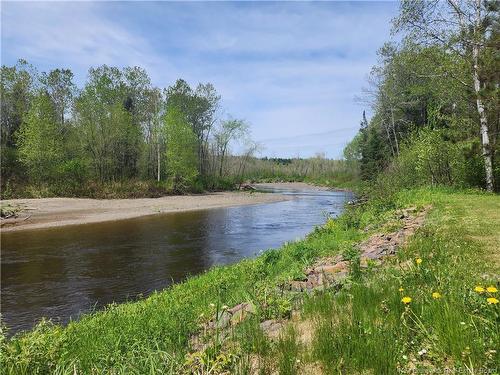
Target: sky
292, 70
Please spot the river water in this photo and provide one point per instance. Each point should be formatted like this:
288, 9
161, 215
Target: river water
62, 272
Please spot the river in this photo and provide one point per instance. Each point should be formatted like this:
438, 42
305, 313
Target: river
60, 273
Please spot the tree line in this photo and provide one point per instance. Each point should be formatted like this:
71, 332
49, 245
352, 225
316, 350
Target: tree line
117, 127
434, 98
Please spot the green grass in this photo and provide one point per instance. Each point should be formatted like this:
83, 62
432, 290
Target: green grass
365, 327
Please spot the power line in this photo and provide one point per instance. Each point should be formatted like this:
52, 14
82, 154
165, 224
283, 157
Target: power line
330, 132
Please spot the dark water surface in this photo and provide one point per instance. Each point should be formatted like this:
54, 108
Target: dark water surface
61, 272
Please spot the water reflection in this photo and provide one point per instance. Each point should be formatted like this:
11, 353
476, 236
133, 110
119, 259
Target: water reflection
61, 272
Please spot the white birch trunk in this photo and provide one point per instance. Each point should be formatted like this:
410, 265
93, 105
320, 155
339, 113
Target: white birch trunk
485, 139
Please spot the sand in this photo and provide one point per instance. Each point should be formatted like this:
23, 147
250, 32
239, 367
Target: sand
55, 212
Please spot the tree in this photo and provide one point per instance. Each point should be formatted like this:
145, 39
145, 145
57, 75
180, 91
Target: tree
154, 108
18, 86
200, 108
463, 28
60, 87
180, 150
373, 153
228, 131
108, 135
40, 141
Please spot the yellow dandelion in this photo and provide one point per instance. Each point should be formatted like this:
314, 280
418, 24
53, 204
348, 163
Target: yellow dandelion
406, 300
436, 295
492, 301
491, 289
401, 289
419, 260
479, 289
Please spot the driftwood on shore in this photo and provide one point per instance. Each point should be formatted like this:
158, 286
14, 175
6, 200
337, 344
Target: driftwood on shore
13, 220
247, 187
13, 214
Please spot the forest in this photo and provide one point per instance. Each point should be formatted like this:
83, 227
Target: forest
435, 100
117, 131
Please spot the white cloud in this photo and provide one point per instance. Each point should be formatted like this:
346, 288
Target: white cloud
74, 34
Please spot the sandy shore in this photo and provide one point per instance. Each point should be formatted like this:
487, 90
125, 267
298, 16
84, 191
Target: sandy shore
55, 212
290, 185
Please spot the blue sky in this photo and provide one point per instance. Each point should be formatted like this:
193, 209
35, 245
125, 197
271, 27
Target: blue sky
291, 69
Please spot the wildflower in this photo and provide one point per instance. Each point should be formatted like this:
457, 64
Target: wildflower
406, 300
212, 305
298, 361
422, 352
405, 357
479, 289
462, 323
401, 289
436, 295
492, 301
224, 307
419, 260
491, 289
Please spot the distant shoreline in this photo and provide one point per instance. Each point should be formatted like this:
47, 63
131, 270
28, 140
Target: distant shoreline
46, 213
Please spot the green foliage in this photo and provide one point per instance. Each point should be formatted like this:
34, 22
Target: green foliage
40, 140
181, 150
18, 84
109, 137
429, 159
420, 100
374, 153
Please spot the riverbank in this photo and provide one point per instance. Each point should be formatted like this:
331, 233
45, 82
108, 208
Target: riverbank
55, 212
294, 186
420, 310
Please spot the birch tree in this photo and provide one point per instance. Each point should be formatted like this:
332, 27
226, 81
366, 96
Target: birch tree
462, 27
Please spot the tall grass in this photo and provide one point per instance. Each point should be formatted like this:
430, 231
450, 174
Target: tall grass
367, 327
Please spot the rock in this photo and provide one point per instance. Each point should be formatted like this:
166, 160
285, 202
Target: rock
241, 311
246, 306
223, 320
271, 328
238, 317
296, 286
331, 268
341, 275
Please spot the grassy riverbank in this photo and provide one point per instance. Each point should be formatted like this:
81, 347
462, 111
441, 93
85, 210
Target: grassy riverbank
363, 327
